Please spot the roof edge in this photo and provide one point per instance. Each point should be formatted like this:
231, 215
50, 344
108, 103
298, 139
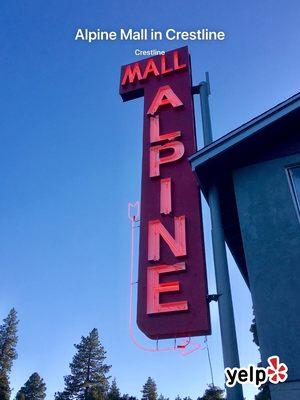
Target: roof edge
244, 131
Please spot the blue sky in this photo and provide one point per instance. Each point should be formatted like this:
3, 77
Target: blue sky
70, 160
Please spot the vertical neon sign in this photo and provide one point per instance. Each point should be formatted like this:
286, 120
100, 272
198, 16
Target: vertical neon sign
172, 286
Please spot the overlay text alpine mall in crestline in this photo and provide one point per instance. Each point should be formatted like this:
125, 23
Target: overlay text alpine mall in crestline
91, 35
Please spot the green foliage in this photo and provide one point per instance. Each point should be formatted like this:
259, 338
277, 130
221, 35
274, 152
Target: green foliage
88, 379
127, 397
8, 342
114, 392
149, 391
264, 393
177, 397
4, 387
213, 393
34, 389
61, 396
161, 397
253, 330
95, 393
20, 395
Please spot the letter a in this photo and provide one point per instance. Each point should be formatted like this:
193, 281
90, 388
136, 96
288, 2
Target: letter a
163, 97
79, 35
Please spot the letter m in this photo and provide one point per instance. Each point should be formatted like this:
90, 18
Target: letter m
131, 73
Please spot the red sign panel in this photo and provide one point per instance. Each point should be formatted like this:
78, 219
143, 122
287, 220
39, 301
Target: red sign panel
172, 286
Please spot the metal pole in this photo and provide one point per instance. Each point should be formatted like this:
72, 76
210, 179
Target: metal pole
226, 315
209, 360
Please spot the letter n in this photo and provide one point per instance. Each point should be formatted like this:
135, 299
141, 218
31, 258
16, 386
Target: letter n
176, 244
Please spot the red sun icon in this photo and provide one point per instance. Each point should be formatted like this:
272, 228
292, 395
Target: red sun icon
277, 371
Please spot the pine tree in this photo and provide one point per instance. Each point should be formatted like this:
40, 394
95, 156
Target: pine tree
253, 330
8, 342
264, 393
61, 396
213, 393
88, 378
4, 387
20, 395
95, 393
127, 397
162, 397
34, 388
149, 391
114, 392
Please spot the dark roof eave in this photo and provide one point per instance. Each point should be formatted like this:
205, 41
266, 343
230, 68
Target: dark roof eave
238, 135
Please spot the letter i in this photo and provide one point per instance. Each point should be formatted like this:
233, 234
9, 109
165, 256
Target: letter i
165, 196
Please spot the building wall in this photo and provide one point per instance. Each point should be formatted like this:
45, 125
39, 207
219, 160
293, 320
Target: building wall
271, 238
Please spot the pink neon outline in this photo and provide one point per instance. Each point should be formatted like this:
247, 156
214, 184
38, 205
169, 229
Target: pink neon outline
184, 351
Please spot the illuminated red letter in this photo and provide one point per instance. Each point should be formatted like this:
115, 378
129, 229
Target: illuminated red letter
163, 97
176, 62
155, 134
165, 196
150, 68
156, 160
154, 288
164, 69
156, 230
131, 74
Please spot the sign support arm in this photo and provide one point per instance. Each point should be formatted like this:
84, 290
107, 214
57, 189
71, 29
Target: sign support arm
226, 314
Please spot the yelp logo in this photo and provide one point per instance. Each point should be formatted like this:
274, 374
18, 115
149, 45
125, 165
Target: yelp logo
275, 372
